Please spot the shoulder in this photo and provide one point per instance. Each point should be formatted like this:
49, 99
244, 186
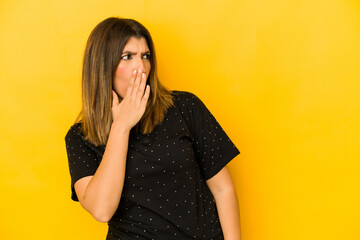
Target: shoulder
74, 131
182, 94
75, 139
189, 101
191, 107
185, 98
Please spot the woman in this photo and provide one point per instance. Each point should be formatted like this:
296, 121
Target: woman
148, 161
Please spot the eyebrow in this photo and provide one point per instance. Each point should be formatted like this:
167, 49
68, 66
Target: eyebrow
134, 53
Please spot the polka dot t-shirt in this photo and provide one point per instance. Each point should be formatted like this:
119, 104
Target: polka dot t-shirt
165, 195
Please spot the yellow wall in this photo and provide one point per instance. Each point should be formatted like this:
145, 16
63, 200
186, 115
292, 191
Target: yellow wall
282, 78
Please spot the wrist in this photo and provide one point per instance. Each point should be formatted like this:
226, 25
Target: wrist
120, 128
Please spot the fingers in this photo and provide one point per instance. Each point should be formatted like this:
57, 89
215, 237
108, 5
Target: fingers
135, 88
115, 98
145, 97
133, 105
138, 92
131, 84
142, 84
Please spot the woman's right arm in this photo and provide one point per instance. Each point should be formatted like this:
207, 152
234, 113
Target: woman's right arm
100, 194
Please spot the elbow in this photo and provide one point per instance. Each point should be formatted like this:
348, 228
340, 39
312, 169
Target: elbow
100, 214
224, 191
101, 211
102, 217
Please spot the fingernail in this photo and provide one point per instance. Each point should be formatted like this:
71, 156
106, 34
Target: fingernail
134, 71
139, 70
143, 75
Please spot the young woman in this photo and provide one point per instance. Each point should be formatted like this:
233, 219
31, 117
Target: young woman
150, 162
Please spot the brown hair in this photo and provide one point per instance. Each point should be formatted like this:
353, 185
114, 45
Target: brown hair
101, 58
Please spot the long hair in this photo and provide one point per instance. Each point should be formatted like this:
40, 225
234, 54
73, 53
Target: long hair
101, 57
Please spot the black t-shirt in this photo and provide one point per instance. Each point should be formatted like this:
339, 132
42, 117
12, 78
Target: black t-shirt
165, 195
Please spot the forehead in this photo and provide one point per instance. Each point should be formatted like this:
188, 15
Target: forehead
136, 44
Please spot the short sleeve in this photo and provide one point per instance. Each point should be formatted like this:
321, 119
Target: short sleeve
82, 158
213, 148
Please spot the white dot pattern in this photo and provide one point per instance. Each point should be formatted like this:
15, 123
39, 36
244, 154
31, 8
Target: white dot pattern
165, 195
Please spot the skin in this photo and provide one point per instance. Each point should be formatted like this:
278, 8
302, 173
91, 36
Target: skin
223, 190
135, 56
100, 194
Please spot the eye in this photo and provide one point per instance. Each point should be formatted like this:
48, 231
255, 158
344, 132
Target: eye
146, 56
126, 57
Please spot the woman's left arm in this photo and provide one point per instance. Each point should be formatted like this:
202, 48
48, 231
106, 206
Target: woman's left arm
223, 190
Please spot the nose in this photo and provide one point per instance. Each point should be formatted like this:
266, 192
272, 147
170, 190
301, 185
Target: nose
140, 65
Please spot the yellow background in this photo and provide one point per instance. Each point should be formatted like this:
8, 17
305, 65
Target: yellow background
282, 78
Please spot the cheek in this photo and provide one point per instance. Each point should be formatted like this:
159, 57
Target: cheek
148, 67
121, 81
123, 71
